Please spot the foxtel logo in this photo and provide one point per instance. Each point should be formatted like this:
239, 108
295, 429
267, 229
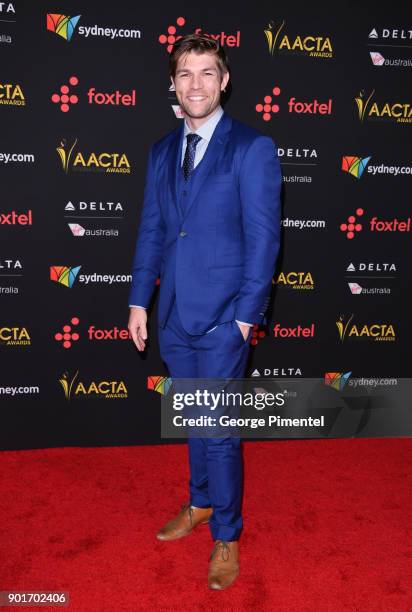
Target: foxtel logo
15, 218
294, 332
310, 107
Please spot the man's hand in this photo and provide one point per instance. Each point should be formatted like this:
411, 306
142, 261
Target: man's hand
245, 329
137, 327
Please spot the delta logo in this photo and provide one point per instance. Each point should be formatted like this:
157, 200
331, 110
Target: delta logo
7, 7
16, 218
310, 45
70, 334
11, 95
371, 110
379, 332
271, 106
160, 384
172, 35
353, 226
354, 165
277, 372
294, 332
114, 163
10, 264
95, 206
295, 280
14, 336
65, 97
337, 380
73, 388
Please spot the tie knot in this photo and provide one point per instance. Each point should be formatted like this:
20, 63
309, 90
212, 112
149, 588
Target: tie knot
193, 139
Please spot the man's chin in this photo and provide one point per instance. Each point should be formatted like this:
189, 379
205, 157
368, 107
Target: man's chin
200, 113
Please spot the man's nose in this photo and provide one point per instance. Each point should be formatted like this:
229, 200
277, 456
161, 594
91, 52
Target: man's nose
196, 81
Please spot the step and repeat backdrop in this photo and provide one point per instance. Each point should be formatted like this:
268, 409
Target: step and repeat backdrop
84, 92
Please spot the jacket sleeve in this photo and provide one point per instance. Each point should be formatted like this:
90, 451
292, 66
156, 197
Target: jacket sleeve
260, 183
150, 242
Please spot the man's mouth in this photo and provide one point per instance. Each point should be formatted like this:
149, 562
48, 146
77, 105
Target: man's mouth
196, 98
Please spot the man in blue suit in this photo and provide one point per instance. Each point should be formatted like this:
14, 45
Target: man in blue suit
210, 227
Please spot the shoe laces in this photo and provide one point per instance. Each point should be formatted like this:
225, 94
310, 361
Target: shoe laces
224, 550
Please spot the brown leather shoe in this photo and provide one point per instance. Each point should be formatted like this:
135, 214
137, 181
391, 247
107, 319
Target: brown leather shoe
223, 564
187, 519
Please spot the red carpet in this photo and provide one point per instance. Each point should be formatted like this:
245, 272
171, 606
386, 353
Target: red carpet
327, 528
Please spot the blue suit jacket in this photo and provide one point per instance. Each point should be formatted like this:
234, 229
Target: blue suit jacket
219, 256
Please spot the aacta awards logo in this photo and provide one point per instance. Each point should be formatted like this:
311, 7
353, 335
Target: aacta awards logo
11, 94
271, 105
295, 280
14, 336
114, 163
312, 46
73, 388
368, 331
370, 110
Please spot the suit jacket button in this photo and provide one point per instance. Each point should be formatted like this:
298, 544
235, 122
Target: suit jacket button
182, 234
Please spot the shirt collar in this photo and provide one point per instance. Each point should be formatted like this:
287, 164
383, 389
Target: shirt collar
208, 127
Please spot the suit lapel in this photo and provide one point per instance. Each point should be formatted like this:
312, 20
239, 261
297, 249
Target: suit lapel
214, 150
174, 165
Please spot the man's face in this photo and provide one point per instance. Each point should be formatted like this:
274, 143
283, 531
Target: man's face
198, 84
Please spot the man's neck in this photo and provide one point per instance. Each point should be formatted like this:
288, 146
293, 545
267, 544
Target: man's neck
194, 123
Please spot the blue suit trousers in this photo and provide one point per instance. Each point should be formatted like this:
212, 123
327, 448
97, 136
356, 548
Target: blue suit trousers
216, 474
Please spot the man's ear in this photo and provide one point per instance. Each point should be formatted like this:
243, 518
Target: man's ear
173, 82
225, 81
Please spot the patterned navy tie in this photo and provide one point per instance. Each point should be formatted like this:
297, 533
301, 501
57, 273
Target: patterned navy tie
189, 160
